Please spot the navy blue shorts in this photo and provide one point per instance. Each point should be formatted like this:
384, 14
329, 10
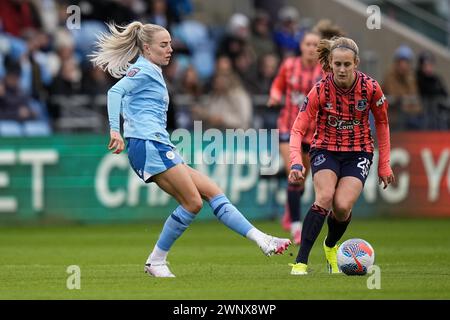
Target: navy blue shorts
343, 163
149, 157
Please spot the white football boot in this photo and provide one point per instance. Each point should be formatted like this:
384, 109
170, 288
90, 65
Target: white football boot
273, 245
159, 270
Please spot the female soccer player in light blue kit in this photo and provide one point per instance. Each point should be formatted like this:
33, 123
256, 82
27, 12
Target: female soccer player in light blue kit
141, 97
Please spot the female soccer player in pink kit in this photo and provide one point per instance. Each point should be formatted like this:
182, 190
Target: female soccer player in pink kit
342, 148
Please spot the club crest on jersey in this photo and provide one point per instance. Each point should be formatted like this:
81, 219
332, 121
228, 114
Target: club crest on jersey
304, 105
328, 105
362, 105
132, 72
170, 155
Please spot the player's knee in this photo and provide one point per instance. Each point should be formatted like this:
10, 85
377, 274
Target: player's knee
342, 210
325, 199
194, 205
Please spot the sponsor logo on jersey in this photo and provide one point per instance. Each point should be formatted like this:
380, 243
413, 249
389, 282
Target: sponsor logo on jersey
340, 124
132, 72
362, 105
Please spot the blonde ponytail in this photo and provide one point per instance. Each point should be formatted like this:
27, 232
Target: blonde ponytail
122, 45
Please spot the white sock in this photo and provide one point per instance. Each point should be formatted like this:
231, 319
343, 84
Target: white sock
256, 235
157, 255
297, 225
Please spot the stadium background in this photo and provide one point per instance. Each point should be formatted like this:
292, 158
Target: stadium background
55, 168
67, 128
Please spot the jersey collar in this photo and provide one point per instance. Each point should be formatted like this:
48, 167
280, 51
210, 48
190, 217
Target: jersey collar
344, 91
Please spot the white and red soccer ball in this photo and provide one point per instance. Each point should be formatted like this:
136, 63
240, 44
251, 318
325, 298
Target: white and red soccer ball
355, 257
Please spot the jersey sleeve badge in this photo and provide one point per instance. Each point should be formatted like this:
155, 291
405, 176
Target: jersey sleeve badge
132, 72
381, 101
304, 105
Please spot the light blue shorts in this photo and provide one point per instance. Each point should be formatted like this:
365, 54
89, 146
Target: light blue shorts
149, 157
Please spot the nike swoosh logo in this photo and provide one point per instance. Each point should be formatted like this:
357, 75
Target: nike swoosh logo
360, 268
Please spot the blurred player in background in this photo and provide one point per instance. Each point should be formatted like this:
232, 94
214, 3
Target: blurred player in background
296, 77
137, 52
342, 148
294, 80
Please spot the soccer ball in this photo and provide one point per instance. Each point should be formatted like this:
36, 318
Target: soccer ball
355, 257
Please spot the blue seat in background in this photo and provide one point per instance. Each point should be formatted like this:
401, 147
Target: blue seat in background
36, 128
10, 128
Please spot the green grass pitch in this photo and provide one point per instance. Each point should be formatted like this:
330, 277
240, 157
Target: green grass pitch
211, 262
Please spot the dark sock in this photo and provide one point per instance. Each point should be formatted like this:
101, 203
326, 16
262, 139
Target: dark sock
336, 229
294, 193
311, 228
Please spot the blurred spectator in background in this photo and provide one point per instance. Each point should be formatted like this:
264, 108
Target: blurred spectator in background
64, 49
228, 105
95, 81
171, 74
433, 93
224, 64
190, 83
66, 83
261, 39
193, 45
14, 104
178, 9
269, 6
18, 16
158, 14
119, 11
261, 80
244, 64
48, 14
236, 38
259, 84
189, 94
94, 14
400, 85
36, 76
288, 34
68, 80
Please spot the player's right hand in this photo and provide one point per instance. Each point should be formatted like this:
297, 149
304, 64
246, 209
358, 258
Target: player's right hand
386, 180
116, 142
296, 176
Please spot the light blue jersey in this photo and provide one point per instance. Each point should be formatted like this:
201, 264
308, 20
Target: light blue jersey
142, 98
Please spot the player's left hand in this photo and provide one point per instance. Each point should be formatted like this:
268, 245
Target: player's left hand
116, 142
386, 180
